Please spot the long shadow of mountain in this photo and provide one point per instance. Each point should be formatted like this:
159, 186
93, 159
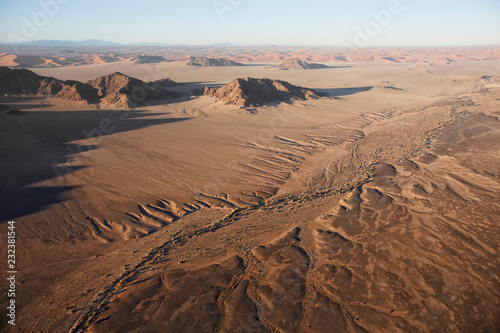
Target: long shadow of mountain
189, 90
340, 66
34, 145
338, 92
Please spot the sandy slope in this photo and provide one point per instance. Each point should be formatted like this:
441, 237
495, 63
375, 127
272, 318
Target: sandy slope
375, 214
7, 60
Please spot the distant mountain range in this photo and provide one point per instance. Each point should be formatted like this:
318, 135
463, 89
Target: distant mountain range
90, 42
53, 42
68, 43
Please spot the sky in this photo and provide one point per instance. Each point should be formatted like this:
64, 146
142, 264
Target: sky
256, 22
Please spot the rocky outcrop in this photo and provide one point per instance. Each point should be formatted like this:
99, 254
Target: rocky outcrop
294, 63
122, 90
251, 92
211, 62
78, 91
23, 81
116, 89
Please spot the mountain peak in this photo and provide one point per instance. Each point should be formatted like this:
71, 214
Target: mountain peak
251, 92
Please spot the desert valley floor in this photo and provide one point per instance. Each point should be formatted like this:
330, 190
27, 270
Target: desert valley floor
376, 211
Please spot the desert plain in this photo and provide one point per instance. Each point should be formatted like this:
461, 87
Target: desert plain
372, 208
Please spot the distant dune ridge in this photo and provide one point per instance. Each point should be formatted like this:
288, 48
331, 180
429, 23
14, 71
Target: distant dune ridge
39, 54
295, 63
116, 89
75, 58
251, 92
211, 62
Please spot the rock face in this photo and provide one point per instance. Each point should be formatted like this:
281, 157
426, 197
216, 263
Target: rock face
116, 89
78, 91
294, 63
145, 59
124, 91
250, 92
211, 62
23, 81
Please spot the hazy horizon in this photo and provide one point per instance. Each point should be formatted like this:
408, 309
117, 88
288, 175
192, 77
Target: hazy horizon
285, 23
138, 43
240, 45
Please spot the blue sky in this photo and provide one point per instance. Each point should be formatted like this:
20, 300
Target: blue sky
261, 22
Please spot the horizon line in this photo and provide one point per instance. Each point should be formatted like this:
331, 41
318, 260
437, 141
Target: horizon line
345, 45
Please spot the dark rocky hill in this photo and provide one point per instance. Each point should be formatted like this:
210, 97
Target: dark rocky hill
251, 92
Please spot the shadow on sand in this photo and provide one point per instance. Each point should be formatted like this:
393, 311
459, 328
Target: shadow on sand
339, 92
35, 144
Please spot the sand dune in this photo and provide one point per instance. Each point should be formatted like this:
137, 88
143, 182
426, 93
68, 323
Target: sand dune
378, 258
374, 213
40, 57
